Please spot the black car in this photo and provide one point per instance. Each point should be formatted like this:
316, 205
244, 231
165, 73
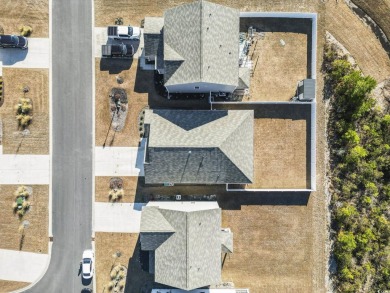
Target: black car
12, 41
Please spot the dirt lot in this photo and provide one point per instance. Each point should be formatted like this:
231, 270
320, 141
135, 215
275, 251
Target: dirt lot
277, 68
36, 234
9, 286
37, 142
107, 244
133, 11
362, 44
272, 247
20, 12
102, 185
379, 12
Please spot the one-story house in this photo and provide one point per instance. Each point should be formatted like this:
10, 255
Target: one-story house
196, 47
199, 146
185, 242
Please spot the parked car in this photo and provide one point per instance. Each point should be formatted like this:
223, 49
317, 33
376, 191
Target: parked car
124, 32
87, 264
117, 51
12, 41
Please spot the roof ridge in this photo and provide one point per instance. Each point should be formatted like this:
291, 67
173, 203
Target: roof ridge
243, 118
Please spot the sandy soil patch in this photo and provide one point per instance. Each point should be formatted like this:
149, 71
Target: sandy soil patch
107, 244
9, 286
105, 79
133, 11
36, 234
280, 154
102, 185
20, 12
37, 141
272, 248
362, 44
280, 59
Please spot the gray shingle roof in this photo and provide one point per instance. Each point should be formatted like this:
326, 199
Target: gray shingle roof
153, 25
227, 241
244, 77
191, 257
190, 146
206, 36
153, 37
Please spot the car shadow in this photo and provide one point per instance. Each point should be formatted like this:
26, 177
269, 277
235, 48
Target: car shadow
10, 56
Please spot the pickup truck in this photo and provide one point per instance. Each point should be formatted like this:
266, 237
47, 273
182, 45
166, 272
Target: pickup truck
124, 32
117, 51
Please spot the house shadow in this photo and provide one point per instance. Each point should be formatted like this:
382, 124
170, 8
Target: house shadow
234, 200
138, 279
139, 161
149, 81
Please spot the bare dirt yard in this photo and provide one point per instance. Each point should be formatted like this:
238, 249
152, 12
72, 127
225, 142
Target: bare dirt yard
102, 188
105, 80
9, 286
36, 232
362, 43
34, 13
281, 57
107, 245
379, 12
273, 243
133, 11
37, 141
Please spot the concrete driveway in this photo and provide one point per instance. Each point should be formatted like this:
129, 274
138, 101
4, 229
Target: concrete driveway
119, 161
22, 266
36, 56
118, 217
24, 169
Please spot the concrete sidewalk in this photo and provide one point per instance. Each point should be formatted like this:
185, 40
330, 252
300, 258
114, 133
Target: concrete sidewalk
117, 217
36, 56
24, 169
21, 266
119, 161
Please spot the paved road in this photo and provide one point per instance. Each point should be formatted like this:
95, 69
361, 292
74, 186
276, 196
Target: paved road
72, 144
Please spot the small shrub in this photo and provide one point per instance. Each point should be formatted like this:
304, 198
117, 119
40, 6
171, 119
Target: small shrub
25, 30
110, 285
122, 284
121, 275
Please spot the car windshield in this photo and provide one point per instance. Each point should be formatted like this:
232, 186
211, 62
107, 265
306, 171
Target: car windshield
86, 260
15, 39
130, 31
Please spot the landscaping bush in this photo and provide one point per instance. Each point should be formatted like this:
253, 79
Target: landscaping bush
23, 109
25, 30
